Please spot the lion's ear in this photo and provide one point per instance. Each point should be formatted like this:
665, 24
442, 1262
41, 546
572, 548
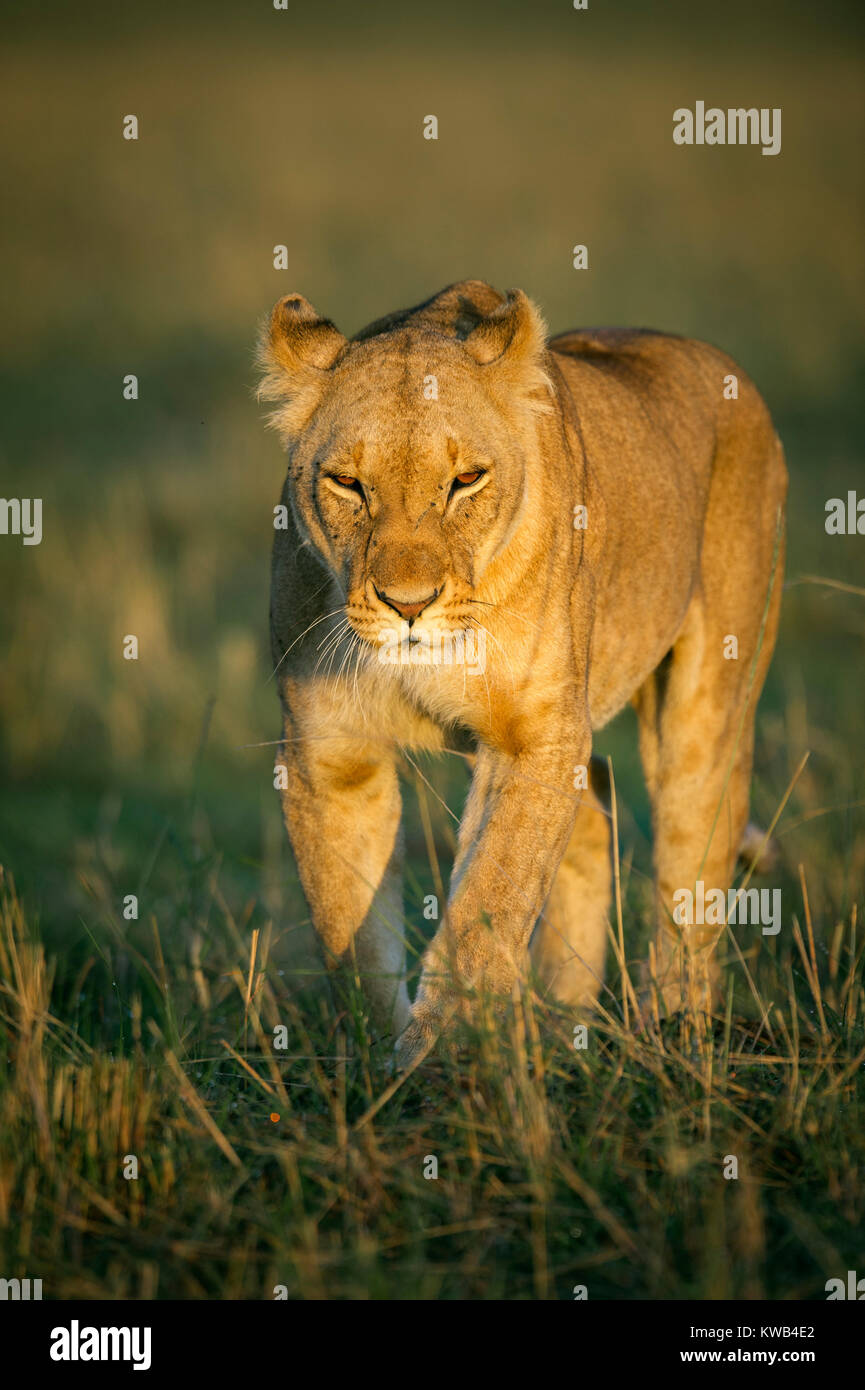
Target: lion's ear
296, 351
461, 307
514, 329
511, 344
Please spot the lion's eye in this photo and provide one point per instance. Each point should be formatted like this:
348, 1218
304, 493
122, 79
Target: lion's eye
466, 479
345, 480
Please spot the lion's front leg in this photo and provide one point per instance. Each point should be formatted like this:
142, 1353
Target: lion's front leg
517, 823
342, 809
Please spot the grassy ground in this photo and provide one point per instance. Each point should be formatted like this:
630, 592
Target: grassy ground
154, 1037
304, 1168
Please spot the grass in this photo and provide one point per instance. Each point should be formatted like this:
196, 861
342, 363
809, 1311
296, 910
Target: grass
154, 1036
601, 1167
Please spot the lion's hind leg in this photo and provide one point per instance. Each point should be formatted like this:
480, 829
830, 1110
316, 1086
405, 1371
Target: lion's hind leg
696, 717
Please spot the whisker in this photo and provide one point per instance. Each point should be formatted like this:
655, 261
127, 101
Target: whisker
332, 640
313, 624
331, 645
345, 658
520, 617
495, 643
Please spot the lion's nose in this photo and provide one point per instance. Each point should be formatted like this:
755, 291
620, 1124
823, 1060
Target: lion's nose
408, 608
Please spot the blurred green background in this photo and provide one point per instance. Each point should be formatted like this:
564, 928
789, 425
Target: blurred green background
155, 257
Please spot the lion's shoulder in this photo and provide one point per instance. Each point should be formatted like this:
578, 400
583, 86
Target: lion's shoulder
654, 365
640, 350
607, 342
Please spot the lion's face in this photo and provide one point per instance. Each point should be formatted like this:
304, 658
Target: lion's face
408, 456
407, 498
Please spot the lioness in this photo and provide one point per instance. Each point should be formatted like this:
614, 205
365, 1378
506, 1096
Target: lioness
607, 515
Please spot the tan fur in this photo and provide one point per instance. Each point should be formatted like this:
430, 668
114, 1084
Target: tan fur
684, 492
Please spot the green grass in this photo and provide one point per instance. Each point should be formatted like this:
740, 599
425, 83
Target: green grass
154, 777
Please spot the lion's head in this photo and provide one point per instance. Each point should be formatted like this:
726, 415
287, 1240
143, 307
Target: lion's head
409, 447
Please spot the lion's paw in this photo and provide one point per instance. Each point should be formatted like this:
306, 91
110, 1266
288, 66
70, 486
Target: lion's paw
417, 1040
